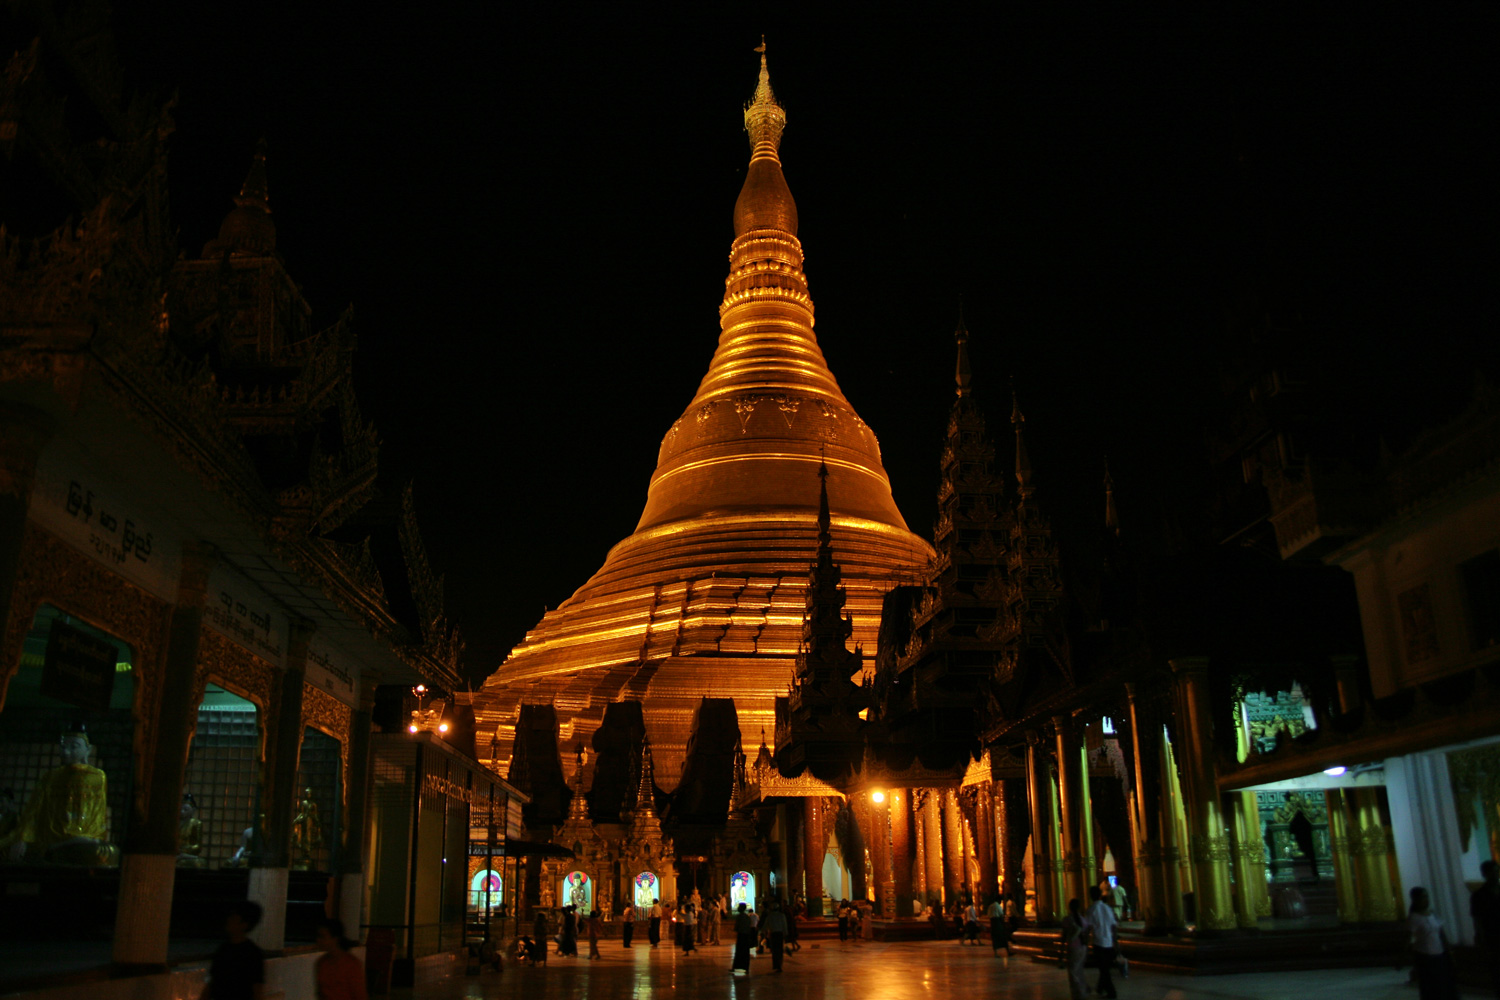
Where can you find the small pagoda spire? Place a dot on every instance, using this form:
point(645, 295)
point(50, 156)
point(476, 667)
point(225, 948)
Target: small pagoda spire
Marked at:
point(1023, 460)
point(962, 374)
point(248, 229)
point(825, 517)
point(1111, 515)
point(645, 793)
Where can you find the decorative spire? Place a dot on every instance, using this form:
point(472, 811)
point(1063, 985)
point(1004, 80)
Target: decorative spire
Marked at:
point(764, 118)
point(825, 517)
point(962, 375)
point(1023, 460)
point(1111, 516)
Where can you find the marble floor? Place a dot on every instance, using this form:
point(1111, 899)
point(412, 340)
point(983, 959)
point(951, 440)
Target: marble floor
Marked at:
point(878, 971)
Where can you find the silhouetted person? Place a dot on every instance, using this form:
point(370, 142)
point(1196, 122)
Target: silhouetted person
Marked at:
point(1075, 942)
point(238, 971)
point(1484, 907)
point(776, 934)
point(627, 926)
point(539, 930)
point(337, 974)
point(653, 930)
point(744, 940)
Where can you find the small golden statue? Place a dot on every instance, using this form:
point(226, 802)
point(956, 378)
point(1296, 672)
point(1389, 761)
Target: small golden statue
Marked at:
point(66, 821)
point(307, 833)
point(189, 834)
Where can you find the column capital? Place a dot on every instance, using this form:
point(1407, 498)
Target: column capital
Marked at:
point(198, 561)
point(299, 633)
point(1188, 665)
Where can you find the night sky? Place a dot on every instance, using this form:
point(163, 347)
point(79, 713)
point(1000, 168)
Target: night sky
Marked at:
point(531, 213)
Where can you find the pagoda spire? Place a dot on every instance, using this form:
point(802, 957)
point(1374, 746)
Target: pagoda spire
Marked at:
point(962, 373)
point(1023, 459)
point(764, 117)
point(1111, 515)
point(248, 229)
point(645, 793)
point(765, 201)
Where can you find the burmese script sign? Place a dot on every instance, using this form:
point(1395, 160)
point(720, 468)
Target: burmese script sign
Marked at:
point(83, 509)
point(331, 670)
point(243, 614)
point(78, 668)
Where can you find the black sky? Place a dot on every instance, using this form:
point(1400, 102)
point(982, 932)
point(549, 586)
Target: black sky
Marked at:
point(531, 213)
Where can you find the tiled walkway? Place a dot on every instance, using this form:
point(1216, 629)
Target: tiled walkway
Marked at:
point(900, 971)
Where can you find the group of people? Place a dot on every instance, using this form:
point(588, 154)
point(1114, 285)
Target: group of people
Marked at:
point(1092, 928)
point(854, 921)
point(774, 931)
point(238, 970)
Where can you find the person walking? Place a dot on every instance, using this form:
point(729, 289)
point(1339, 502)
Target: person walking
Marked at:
point(1430, 950)
point(238, 971)
point(715, 918)
point(776, 934)
point(999, 929)
point(971, 923)
point(1102, 922)
point(567, 942)
point(1484, 908)
point(744, 940)
point(593, 923)
point(337, 974)
point(1075, 942)
point(843, 915)
point(687, 917)
point(627, 926)
point(653, 929)
point(541, 932)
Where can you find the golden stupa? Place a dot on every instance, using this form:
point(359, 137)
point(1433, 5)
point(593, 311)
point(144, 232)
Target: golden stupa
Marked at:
point(706, 597)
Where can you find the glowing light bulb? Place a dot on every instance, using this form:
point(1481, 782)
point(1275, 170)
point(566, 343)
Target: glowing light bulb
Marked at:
point(877, 797)
point(442, 727)
point(411, 729)
point(1334, 772)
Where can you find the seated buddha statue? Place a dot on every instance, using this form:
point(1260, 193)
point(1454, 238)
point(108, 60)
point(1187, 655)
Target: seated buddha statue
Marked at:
point(189, 834)
point(66, 819)
point(307, 833)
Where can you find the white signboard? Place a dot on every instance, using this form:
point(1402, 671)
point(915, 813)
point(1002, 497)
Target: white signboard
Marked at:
point(87, 512)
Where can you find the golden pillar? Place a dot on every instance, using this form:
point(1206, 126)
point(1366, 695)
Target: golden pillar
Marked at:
point(1208, 839)
point(932, 842)
point(901, 850)
point(1043, 831)
point(984, 837)
point(1146, 817)
point(1077, 821)
point(1371, 846)
point(953, 848)
point(1345, 881)
point(1175, 876)
point(1249, 862)
point(815, 841)
point(878, 843)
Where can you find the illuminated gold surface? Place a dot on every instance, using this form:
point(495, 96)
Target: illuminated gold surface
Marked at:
point(706, 596)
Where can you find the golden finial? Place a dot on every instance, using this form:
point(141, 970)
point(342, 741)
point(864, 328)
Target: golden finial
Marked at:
point(764, 118)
